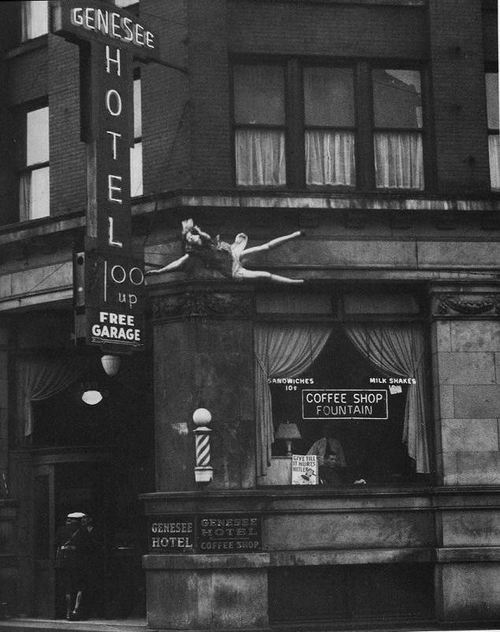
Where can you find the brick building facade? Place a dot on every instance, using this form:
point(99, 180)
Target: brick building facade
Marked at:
point(370, 127)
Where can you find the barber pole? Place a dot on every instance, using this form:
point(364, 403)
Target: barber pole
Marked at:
point(203, 471)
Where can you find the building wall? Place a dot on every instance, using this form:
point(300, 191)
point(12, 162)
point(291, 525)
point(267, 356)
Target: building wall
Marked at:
point(441, 244)
point(457, 74)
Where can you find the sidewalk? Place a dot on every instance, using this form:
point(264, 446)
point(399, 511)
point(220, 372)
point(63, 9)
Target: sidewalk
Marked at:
point(61, 625)
point(140, 625)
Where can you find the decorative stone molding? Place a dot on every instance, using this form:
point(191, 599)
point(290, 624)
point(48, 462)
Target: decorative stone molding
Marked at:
point(464, 305)
point(195, 304)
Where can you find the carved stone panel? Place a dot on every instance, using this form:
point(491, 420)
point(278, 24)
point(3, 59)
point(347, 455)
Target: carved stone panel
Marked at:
point(194, 303)
point(468, 305)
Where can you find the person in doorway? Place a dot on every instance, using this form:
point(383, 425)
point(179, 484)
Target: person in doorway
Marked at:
point(75, 548)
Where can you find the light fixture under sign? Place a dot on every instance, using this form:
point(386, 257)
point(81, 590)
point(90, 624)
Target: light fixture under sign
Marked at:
point(111, 364)
point(91, 396)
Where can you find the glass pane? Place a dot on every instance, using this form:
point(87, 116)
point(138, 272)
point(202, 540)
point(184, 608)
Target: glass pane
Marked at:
point(397, 98)
point(259, 95)
point(34, 19)
point(329, 96)
point(136, 185)
point(260, 157)
point(330, 158)
point(137, 109)
point(399, 161)
point(492, 97)
point(39, 194)
point(494, 148)
point(37, 136)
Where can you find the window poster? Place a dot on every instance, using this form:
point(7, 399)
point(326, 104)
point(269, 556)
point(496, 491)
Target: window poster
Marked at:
point(305, 469)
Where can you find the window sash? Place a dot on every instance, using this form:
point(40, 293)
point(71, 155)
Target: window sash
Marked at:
point(330, 158)
point(136, 171)
point(399, 160)
point(37, 136)
point(34, 19)
point(494, 155)
point(260, 157)
point(34, 193)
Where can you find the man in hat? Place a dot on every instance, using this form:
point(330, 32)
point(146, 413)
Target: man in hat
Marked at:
point(74, 550)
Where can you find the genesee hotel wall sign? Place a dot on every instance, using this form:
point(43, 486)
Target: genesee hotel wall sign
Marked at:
point(109, 281)
point(207, 533)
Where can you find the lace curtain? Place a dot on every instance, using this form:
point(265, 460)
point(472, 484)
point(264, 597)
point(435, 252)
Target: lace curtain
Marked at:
point(260, 157)
point(280, 351)
point(399, 160)
point(39, 378)
point(494, 149)
point(398, 350)
point(330, 158)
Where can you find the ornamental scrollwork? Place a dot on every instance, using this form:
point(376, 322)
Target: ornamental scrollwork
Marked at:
point(468, 306)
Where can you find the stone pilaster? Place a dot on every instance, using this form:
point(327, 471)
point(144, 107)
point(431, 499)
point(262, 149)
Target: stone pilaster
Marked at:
point(203, 350)
point(466, 371)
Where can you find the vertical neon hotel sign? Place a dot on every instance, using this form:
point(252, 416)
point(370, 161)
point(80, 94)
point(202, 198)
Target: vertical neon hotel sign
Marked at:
point(109, 281)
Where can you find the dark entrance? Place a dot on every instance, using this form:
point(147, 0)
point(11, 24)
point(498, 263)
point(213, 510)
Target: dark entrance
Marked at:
point(95, 459)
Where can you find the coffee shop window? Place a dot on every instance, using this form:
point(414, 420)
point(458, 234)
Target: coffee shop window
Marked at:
point(355, 394)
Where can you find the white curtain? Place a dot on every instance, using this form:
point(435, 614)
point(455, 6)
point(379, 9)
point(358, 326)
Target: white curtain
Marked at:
point(39, 378)
point(25, 196)
point(260, 157)
point(136, 178)
point(281, 350)
point(399, 160)
point(494, 148)
point(398, 350)
point(330, 158)
point(34, 194)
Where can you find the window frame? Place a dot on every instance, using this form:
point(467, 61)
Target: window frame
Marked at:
point(248, 126)
point(24, 24)
point(423, 130)
point(364, 125)
point(339, 316)
point(353, 128)
point(491, 131)
point(137, 140)
point(25, 169)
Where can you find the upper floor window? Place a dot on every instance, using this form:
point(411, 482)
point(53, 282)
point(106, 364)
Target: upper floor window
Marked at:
point(136, 181)
point(34, 188)
point(492, 97)
point(329, 126)
point(313, 125)
point(259, 114)
point(34, 19)
point(397, 118)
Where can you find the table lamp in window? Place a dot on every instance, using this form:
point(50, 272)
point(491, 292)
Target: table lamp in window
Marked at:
point(288, 431)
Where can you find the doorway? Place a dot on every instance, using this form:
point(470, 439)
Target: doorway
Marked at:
point(96, 459)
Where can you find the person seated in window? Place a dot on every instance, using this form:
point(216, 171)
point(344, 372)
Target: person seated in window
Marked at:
point(332, 464)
